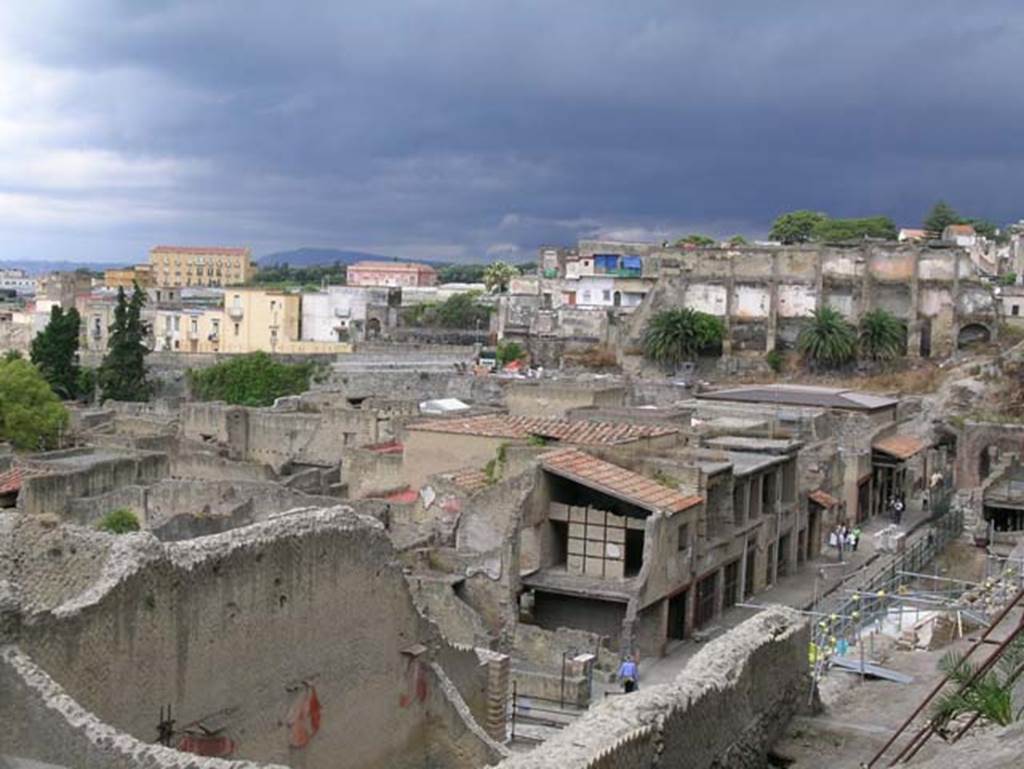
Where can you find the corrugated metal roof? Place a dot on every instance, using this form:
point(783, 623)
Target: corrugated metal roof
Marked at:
point(899, 446)
point(802, 395)
point(582, 432)
point(617, 481)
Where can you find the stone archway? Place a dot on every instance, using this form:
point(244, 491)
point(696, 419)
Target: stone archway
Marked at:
point(973, 334)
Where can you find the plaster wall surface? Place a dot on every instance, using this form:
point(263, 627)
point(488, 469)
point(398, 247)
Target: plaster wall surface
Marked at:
point(230, 630)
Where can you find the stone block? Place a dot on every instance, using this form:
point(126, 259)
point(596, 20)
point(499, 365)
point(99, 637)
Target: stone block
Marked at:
point(558, 512)
point(578, 514)
point(574, 564)
point(595, 549)
point(614, 569)
point(577, 546)
point(596, 532)
point(596, 516)
point(615, 535)
point(594, 567)
point(577, 531)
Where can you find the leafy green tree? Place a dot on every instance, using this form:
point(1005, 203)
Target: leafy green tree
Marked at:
point(461, 273)
point(676, 335)
point(120, 521)
point(940, 217)
point(463, 311)
point(984, 227)
point(284, 275)
point(796, 226)
point(828, 341)
point(255, 379)
point(855, 229)
point(989, 695)
point(498, 275)
point(509, 351)
point(55, 349)
point(737, 240)
point(31, 414)
point(122, 375)
point(13, 355)
point(883, 336)
point(696, 239)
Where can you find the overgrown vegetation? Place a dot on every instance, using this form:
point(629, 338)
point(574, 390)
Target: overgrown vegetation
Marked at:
point(696, 239)
point(120, 521)
point(775, 361)
point(255, 379)
point(122, 375)
point(31, 415)
point(942, 215)
point(677, 335)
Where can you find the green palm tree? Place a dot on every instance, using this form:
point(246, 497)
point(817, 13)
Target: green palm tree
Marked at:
point(882, 335)
point(990, 696)
point(828, 341)
point(673, 336)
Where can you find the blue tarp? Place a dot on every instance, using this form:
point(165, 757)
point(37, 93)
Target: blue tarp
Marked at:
point(631, 263)
point(606, 262)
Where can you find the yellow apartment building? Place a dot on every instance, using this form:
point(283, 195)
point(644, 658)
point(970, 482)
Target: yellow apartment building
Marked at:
point(201, 265)
point(257, 319)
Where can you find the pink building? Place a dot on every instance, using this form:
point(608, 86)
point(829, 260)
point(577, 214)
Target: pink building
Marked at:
point(391, 274)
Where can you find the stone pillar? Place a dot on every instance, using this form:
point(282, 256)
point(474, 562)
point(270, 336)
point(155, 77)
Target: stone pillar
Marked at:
point(914, 315)
point(498, 676)
point(771, 332)
point(730, 303)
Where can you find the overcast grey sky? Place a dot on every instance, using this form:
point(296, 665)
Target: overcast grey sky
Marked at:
point(478, 129)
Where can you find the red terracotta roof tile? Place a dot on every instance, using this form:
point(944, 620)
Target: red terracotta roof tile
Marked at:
point(823, 498)
point(11, 479)
point(470, 479)
point(899, 446)
point(616, 481)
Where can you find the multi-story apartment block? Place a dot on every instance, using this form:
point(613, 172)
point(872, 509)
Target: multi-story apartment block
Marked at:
point(390, 274)
point(256, 319)
point(201, 265)
point(19, 281)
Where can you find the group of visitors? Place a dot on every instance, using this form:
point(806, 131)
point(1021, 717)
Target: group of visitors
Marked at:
point(843, 538)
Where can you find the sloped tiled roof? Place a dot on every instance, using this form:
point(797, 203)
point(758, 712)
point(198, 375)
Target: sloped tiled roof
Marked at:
point(899, 446)
point(823, 498)
point(960, 229)
point(11, 480)
point(578, 431)
point(616, 481)
point(470, 479)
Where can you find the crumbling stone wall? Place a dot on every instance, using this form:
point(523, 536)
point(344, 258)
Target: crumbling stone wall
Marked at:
point(725, 709)
point(73, 473)
point(230, 629)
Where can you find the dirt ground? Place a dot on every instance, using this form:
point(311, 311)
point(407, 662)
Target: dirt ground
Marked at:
point(859, 716)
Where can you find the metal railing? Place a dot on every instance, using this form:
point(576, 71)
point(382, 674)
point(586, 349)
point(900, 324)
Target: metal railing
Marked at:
point(550, 713)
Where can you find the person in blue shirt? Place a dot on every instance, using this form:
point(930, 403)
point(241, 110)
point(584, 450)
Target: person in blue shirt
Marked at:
point(629, 674)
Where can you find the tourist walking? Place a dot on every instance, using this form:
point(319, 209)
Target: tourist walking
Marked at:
point(629, 674)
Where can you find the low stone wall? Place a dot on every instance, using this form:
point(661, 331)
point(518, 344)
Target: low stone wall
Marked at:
point(725, 709)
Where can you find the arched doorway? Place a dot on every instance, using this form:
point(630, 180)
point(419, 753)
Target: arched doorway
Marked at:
point(372, 328)
point(973, 334)
point(617, 299)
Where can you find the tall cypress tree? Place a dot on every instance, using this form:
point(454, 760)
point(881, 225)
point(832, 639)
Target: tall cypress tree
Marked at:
point(122, 375)
point(55, 349)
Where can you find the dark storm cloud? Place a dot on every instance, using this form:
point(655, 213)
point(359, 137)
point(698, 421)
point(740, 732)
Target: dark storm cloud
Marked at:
point(472, 128)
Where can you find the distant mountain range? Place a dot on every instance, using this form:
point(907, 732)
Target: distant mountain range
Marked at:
point(309, 257)
point(44, 266)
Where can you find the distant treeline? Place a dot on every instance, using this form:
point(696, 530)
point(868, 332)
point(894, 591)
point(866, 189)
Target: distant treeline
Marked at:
point(334, 274)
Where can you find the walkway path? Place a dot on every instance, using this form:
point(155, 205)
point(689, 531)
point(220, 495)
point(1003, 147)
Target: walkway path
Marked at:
point(815, 580)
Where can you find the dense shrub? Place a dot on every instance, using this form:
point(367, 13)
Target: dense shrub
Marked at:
point(255, 379)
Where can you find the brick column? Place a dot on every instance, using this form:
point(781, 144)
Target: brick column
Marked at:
point(498, 676)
